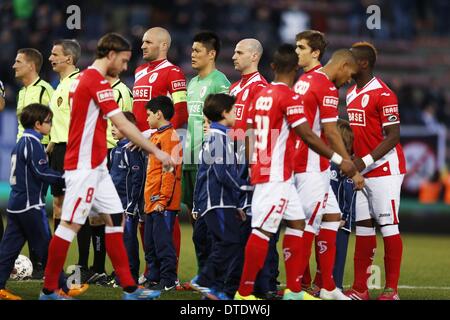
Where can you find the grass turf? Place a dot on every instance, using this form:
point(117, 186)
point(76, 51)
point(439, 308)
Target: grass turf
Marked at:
point(424, 273)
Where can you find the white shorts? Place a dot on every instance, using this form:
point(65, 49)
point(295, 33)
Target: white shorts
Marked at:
point(380, 200)
point(89, 192)
point(273, 202)
point(332, 205)
point(313, 188)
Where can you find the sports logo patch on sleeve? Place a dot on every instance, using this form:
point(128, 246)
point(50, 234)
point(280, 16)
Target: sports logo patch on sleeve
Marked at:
point(105, 95)
point(390, 110)
point(329, 101)
point(135, 168)
point(42, 161)
point(295, 110)
point(178, 85)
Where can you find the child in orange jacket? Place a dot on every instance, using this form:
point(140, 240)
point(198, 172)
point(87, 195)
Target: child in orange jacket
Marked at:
point(162, 196)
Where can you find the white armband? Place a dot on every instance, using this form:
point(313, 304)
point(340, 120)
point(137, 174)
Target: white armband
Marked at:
point(336, 158)
point(368, 160)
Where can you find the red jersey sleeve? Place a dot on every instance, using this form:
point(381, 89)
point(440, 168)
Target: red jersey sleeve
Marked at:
point(103, 95)
point(177, 89)
point(388, 108)
point(328, 100)
point(294, 110)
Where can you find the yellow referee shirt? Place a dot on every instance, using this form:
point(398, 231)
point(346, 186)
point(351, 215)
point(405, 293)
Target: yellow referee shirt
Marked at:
point(39, 91)
point(61, 109)
point(124, 98)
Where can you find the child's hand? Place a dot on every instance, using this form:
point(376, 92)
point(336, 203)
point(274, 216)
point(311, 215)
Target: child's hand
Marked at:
point(160, 208)
point(241, 214)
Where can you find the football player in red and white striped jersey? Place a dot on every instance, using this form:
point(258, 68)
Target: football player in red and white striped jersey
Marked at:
point(88, 183)
point(373, 113)
point(318, 89)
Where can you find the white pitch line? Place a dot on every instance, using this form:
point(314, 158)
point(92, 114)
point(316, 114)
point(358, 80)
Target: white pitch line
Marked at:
point(424, 288)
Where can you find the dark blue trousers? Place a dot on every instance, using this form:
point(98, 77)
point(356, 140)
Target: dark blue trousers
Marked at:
point(130, 238)
point(202, 240)
point(224, 226)
point(267, 278)
point(31, 226)
point(341, 256)
point(160, 251)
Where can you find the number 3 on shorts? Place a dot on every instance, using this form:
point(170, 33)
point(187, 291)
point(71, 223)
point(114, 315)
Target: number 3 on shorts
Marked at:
point(90, 193)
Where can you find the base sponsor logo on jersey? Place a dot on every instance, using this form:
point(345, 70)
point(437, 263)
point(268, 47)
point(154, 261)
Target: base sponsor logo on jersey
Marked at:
point(105, 95)
point(239, 108)
point(178, 85)
point(390, 110)
point(329, 101)
point(295, 110)
point(357, 117)
point(142, 93)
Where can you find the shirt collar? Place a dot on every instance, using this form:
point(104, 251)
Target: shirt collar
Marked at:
point(161, 129)
point(315, 68)
point(122, 142)
point(246, 77)
point(154, 63)
point(218, 126)
point(33, 133)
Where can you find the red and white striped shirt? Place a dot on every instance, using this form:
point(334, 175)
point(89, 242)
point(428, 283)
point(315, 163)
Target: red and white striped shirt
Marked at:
point(273, 113)
point(370, 109)
point(91, 102)
point(320, 98)
point(244, 90)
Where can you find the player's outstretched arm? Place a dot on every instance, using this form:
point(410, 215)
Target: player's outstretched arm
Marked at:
point(334, 139)
point(392, 138)
point(317, 145)
point(132, 132)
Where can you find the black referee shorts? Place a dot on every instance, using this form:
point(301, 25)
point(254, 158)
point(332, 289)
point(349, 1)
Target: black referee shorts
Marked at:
point(57, 163)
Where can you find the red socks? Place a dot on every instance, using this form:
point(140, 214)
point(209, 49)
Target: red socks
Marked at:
point(57, 252)
point(119, 258)
point(393, 250)
point(326, 252)
point(308, 238)
point(292, 251)
point(364, 253)
point(255, 256)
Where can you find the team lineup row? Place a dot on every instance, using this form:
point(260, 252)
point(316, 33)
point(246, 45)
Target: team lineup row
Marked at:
point(289, 172)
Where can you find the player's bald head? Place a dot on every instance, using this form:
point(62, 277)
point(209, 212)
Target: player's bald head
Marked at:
point(342, 56)
point(251, 45)
point(160, 35)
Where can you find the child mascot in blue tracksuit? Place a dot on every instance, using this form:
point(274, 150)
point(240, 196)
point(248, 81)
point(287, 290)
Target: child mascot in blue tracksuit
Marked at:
point(29, 179)
point(128, 174)
point(217, 195)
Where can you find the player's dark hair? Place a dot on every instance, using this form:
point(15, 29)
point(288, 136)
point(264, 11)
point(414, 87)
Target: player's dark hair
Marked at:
point(209, 40)
point(216, 104)
point(365, 51)
point(285, 59)
point(111, 42)
point(163, 104)
point(35, 112)
point(346, 133)
point(34, 56)
point(130, 116)
point(70, 47)
point(316, 40)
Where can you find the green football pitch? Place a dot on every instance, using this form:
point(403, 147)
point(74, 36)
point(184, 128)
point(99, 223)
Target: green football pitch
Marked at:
point(424, 273)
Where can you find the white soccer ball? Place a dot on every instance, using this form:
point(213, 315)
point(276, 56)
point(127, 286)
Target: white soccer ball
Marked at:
point(22, 268)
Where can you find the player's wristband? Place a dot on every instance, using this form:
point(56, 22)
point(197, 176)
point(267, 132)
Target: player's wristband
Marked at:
point(368, 160)
point(336, 158)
